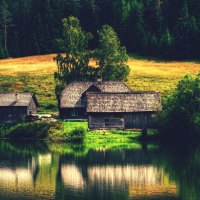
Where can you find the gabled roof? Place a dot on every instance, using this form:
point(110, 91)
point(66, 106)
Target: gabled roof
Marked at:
point(71, 95)
point(112, 86)
point(123, 102)
point(9, 99)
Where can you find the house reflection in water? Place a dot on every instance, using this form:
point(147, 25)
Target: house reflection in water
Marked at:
point(139, 181)
point(120, 174)
point(129, 174)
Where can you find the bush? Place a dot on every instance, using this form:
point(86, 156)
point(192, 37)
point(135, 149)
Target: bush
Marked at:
point(180, 117)
point(32, 130)
point(77, 134)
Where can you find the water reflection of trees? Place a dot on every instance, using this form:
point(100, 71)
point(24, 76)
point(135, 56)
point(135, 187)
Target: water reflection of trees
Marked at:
point(115, 174)
point(69, 172)
point(182, 162)
point(27, 169)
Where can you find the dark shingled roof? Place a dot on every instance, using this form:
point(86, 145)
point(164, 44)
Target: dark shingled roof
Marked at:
point(71, 95)
point(9, 99)
point(112, 86)
point(129, 102)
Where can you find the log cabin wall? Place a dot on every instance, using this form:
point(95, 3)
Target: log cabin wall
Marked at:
point(139, 120)
point(12, 114)
point(73, 113)
point(121, 120)
point(32, 109)
point(106, 121)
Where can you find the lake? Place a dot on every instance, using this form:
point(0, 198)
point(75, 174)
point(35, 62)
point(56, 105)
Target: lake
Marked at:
point(142, 171)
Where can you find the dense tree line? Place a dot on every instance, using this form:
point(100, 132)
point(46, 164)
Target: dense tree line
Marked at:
point(167, 28)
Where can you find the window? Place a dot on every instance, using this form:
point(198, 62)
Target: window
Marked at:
point(106, 122)
point(74, 113)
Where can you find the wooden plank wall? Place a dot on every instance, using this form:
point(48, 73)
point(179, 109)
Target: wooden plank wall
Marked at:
point(8, 115)
point(121, 121)
point(139, 120)
point(105, 121)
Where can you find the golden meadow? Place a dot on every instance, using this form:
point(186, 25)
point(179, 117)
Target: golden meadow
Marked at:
point(35, 74)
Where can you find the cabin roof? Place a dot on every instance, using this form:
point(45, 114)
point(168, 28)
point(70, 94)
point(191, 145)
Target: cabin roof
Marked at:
point(112, 86)
point(71, 95)
point(9, 99)
point(123, 102)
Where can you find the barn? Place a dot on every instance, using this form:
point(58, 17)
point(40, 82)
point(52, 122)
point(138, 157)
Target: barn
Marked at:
point(73, 100)
point(122, 110)
point(15, 106)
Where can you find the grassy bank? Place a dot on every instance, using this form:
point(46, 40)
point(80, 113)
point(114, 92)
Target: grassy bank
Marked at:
point(70, 132)
point(35, 74)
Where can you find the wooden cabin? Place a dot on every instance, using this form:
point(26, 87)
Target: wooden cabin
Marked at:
point(122, 110)
point(73, 99)
point(16, 106)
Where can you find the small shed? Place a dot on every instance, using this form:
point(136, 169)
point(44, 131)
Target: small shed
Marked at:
point(15, 106)
point(73, 100)
point(122, 110)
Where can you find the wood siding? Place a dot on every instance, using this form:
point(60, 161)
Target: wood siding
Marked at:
point(121, 120)
point(139, 120)
point(32, 109)
point(105, 121)
point(68, 113)
point(12, 114)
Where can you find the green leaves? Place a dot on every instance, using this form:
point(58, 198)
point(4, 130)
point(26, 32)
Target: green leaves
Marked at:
point(181, 110)
point(74, 65)
point(111, 56)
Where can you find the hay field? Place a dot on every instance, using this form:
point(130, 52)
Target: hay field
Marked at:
point(35, 74)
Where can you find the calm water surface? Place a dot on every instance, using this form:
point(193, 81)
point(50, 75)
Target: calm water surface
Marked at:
point(57, 171)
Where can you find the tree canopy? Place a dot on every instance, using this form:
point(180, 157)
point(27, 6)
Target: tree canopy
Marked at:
point(74, 64)
point(181, 110)
point(165, 28)
point(111, 57)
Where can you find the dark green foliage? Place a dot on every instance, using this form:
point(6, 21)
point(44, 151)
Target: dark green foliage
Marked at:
point(74, 66)
point(32, 130)
point(77, 134)
point(186, 32)
point(5, 20)
point(181, 110)
point(142, 25)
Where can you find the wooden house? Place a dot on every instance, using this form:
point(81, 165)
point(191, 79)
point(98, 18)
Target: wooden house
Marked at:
point(122, 110)
point(15, 106)
point(73, 101)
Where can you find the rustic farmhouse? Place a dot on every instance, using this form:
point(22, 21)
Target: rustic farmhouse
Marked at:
point(15, 106)
point(109, 105)
point(73, 100)
point(122, 110)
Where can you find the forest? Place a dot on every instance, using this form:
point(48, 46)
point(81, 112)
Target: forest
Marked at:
point(159, 28)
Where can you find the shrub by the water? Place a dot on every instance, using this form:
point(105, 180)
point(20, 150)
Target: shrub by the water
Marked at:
point(77, 134)
point(28, 130)
point(74, 135)
point(181, 111)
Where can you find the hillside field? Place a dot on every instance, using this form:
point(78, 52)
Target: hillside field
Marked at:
point(35, 74)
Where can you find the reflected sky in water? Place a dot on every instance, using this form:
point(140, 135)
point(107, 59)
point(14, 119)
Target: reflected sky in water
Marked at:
point(142, 172)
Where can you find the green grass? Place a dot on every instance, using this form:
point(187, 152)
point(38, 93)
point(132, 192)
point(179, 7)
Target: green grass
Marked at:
point(95, 138)
point(72, 125)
